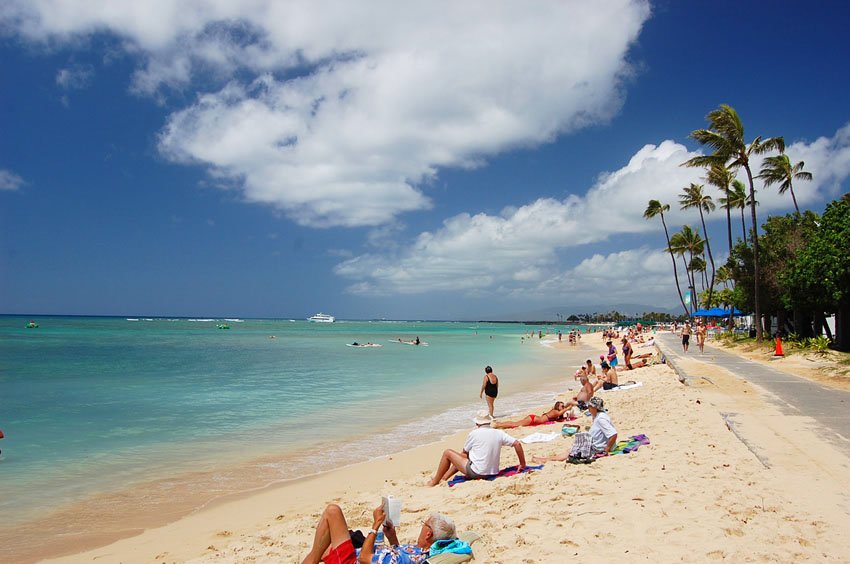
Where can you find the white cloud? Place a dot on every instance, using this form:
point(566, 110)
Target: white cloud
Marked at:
point(510, 252)
point(350, 111)
point(9, 180)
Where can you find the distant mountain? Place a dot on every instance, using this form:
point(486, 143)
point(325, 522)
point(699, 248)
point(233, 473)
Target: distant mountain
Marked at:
point(551, 313)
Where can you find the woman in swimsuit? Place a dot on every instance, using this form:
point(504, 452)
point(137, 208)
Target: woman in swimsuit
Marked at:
point(490, 388)
point(553, 414)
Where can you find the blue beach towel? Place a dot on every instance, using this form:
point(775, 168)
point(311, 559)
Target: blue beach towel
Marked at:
point(509, 471)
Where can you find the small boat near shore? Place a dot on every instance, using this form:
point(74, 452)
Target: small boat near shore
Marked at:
point(322, 318)
point(363, 345)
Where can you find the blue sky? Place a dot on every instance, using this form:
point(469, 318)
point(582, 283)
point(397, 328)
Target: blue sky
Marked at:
point(269, 159)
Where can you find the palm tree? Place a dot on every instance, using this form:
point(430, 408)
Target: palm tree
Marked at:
point(724, 276)
point(778, 169)
point(737, 199)
point(725, 135)
point(693, 197)
point(687, 241)
point(722, 177)
point(653, 209)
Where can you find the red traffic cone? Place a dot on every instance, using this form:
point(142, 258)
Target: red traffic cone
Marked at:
point(778, 351)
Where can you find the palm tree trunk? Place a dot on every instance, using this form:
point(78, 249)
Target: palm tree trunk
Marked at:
point(743, 226)
point(690, 284)
point(794, 199)
point(729, 220)
point(675, 270)
point(756, 268)
point(710, 257)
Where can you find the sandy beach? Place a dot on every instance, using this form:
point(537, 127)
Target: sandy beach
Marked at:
point(696, 493)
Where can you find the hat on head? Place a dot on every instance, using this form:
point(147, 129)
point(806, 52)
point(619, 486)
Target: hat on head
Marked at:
point(598, 403)
point(482, 418)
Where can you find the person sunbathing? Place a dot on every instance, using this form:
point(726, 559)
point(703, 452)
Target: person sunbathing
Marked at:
point(332, 542)
point(602, 434)
point(554, 414)
point(481, 453)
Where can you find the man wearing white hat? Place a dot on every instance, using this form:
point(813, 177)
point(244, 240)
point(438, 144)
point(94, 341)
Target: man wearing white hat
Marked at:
point(481, 453)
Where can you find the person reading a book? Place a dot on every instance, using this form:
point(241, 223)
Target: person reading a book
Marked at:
point(332, 543)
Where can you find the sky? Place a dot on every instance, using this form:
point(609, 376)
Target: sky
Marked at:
point(438, 160)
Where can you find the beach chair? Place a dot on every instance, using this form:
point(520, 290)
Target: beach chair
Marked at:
point(468, 537)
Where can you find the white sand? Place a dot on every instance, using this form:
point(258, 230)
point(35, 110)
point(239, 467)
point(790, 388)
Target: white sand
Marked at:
point(696, 493)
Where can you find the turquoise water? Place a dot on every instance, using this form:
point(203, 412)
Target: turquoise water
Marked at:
point(96, 406)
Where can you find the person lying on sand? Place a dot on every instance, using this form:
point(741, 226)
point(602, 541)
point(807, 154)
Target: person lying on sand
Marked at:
point(332, 543)
point(481, 453)
point(553, 414)
point(602, 434)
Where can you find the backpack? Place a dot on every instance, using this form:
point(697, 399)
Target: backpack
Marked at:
point(581, 452)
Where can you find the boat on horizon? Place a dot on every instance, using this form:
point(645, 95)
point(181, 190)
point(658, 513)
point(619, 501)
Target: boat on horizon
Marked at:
point(322, 318)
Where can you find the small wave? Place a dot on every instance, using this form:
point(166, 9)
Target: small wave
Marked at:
point(235, 320)
point(132, 319)
point(201, 320)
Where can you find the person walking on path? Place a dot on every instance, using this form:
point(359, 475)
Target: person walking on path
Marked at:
point(701, 333)
point(686, 336)
point(490, 389)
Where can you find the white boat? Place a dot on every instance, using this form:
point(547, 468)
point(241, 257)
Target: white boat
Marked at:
point(322, 318)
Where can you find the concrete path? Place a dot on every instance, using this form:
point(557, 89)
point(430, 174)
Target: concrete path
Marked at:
point(828, 406)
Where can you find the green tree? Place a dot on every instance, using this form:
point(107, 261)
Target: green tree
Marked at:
point(725, 136)
point(693, 197)
point(820, 271)
point(779, 170)
point(655, 208)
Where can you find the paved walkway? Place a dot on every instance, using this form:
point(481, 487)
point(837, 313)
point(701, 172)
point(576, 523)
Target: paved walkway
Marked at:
point(828, 406)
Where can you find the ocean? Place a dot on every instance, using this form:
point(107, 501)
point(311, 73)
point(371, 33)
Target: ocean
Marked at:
point(112, 422)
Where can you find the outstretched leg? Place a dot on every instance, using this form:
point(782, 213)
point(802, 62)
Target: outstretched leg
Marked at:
point(511, 424)
point(331, 531)
point(450, 463)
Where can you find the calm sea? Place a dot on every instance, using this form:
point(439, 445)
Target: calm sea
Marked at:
point(104, 415)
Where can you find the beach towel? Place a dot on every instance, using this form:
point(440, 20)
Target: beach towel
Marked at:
point(632, 444)
point(468, 537)
point(539, 438)
point(509, 471)
point(624, 387)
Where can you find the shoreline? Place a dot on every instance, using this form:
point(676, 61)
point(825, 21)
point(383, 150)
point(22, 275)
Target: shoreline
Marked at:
point(695, 493)
point(211, 488)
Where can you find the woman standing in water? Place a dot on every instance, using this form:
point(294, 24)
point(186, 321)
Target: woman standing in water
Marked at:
point(489, 388)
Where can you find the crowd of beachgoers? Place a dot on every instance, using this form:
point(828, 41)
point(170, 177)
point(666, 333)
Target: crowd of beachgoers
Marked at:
point(480, 457)
point(575, 479)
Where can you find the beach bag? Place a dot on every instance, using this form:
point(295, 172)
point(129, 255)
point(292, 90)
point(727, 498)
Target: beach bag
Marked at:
point(581, 452)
